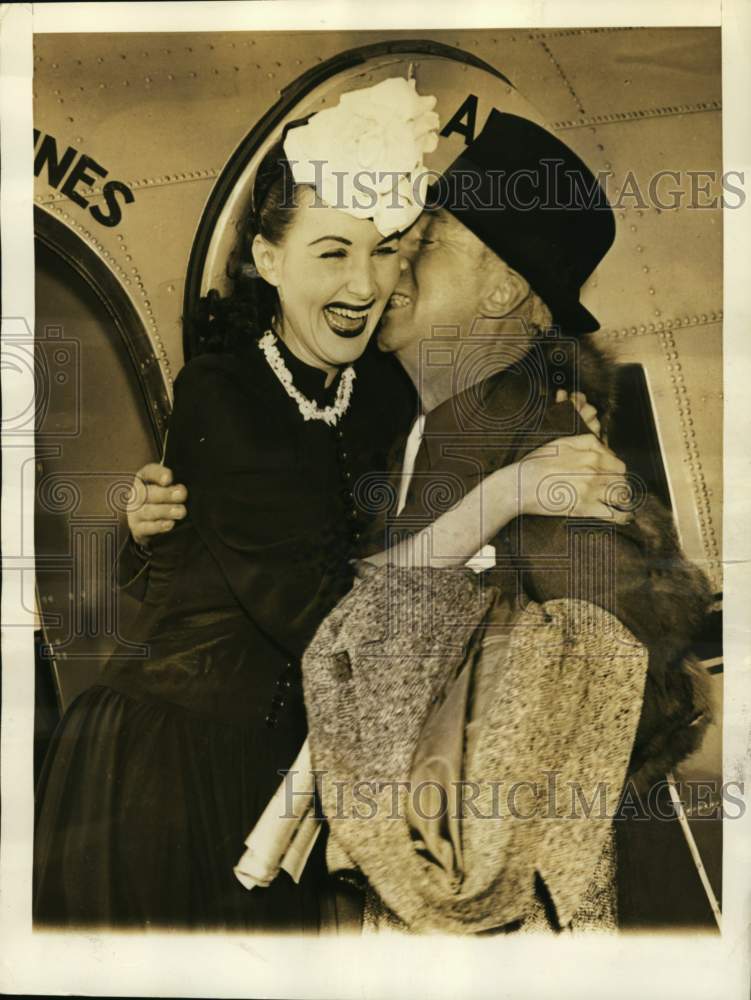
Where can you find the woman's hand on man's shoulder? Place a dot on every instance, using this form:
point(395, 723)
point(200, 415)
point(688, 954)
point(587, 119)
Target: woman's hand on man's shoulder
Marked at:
point(575, 476)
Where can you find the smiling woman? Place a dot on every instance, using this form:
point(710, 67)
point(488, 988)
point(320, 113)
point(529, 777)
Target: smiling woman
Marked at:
point(155, 776)
point(334, 279)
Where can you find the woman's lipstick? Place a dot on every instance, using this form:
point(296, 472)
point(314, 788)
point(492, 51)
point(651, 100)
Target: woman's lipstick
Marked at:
point(346, 320)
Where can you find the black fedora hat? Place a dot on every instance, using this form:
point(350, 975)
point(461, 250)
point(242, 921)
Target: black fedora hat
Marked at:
point(532, 201)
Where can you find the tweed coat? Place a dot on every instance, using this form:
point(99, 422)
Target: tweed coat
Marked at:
point(559, 688)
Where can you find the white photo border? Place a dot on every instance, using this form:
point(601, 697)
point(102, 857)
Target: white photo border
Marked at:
point(393, 966)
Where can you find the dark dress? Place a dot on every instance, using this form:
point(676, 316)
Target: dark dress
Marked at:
point(156, 775)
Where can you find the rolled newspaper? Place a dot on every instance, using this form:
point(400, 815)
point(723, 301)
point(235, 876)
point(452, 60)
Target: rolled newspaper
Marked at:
point(284, 836)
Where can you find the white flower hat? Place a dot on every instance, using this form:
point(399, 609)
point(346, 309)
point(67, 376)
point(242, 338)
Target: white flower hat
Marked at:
point(365, 156)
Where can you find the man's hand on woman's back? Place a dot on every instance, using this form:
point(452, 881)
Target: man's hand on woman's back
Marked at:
point(157, 503)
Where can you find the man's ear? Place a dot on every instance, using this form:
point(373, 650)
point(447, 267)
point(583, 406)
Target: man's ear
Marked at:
point(266, 260)
point(504, 291)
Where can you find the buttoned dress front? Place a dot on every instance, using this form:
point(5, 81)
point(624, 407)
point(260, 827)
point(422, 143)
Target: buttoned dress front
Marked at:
point(156, 775)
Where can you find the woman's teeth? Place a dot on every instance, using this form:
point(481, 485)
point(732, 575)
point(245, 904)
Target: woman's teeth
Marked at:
point(398, 301)
point(346, 322)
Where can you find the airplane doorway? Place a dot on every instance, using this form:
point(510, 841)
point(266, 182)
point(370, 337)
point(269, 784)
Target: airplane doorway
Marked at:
point(101, 411)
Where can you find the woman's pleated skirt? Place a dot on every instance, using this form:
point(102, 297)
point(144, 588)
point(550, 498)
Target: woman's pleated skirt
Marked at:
point(142, 810)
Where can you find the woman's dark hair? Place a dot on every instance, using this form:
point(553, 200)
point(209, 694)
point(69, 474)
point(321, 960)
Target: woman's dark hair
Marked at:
point(232, 323)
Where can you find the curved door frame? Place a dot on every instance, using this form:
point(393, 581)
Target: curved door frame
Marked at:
point(78, 255)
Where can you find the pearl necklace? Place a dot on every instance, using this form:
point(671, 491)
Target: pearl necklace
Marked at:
point(309, 409)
